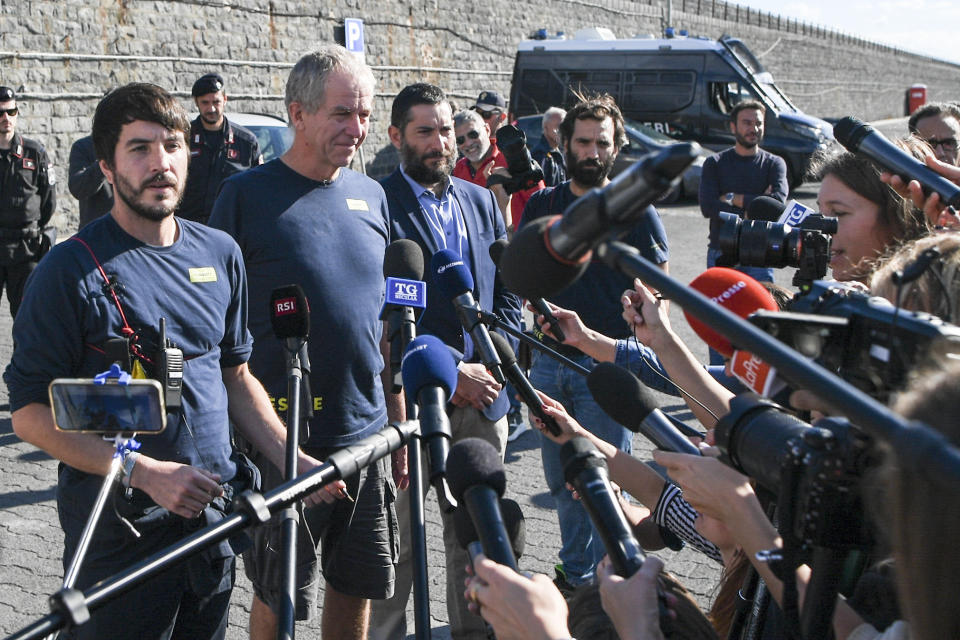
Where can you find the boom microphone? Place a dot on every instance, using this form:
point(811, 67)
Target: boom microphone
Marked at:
point(513, 520)
point(496, 252)
point(430, 376)
point(521, 383)
point(861, 138)
point(625, 399)
point(455, 281)
point(550, 253)
point(477, 480)
point(585, 468)
point(736, 292)
point(405, 289)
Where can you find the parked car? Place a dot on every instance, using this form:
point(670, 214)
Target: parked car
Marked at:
point(641, 140)
point(272, 132)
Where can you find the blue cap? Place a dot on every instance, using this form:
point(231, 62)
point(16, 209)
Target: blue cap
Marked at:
point(450, 274)
point(428, 362)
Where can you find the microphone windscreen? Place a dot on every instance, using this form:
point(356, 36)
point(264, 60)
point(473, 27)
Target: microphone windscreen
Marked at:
point(428, 362)
point(289, 312)
point(516, 525)
point(578, 454)
point(620, 394)
point(504, 350)
point(528, 269)
point(733, 290)
point(849, 131)
point(496, 250)
point(451, 275)
point(765, 208)
point(474, 461)
point(403, 259)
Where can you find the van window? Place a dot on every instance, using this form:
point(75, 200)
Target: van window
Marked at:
point(658, 91)
point(724, 96)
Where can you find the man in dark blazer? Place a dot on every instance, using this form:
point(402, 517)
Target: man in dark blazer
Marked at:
point(428, 205)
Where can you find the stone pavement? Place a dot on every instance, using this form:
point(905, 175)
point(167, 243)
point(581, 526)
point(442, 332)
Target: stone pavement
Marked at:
point(30, 538)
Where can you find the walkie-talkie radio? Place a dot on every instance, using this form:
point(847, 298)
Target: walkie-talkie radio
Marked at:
point(169, 369)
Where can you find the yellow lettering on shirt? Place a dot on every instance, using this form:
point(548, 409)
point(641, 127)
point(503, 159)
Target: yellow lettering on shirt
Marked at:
point(202, 274)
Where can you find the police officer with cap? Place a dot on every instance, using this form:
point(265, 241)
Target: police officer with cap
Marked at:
point(27, 201)
point(218, 149)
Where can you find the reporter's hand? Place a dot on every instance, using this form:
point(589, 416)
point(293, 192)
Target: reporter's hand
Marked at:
point(632, 602)
point(708, 484)
point(517, 607)
point(645, 314)
point(933, 208)
point(178, 488)
point(574, 331)
point(475, 387)
point(329, 493)
point(569, 427)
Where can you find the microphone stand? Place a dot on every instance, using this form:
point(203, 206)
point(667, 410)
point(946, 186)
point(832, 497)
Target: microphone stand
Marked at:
point(494, 321)
point(418, 533)
point(290, 516)
point(72, 607)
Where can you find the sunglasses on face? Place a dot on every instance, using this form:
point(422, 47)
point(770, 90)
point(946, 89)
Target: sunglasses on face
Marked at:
point(10, 112)
point(473, 135)
point(948, 143)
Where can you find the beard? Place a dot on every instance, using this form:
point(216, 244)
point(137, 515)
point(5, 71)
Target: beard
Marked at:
point(745, 143)
point(136, 199)
point(590, 172)
point(416, 167)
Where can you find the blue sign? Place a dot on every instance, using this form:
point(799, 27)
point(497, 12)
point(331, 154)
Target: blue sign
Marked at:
point(407, 293)
point(794, 213)
point(353, 35)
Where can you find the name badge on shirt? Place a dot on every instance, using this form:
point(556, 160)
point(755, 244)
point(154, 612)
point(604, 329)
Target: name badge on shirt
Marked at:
point(355, 204)
point(202, 274)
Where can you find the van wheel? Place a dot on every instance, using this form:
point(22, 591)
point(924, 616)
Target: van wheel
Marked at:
point(672, 196)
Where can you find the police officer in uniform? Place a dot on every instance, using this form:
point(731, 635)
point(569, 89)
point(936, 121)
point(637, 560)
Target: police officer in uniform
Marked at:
point(27, 201)
point(218, 149)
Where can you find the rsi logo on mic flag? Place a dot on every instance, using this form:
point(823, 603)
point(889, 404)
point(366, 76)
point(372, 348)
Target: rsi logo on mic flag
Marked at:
point(794, 213)
point(759, 376)
point(407, 293)
point(284, 306)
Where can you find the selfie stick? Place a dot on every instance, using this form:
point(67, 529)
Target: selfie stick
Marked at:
point(123, 442)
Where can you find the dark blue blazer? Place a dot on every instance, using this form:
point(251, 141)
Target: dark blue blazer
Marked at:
point(484, 226)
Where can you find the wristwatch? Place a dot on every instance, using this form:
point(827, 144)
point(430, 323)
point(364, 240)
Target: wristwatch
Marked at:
point(728, 198)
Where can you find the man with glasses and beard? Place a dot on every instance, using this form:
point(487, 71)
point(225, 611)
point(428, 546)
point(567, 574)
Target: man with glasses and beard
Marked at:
point(28, 199)
point(114, 283)
point(592, 134)
point(438, 211)
point(733, 178)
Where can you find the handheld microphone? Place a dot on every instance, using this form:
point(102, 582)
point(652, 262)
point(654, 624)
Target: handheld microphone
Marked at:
point(521, 383)
point(290, 314)
point(736, 292)
point(469, 539)
point(455, 281)
point(585, 468)
point(625, 399)
point(759, 376)
point(764, 208)
point(861, 138)
point(430, 376)
point(496, 252)
point(550, 253)
point(405, 289)
point(477, 480)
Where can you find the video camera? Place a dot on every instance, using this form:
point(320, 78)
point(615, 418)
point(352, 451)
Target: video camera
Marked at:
point(866, 340)
point(525, 173)
point(759, 243)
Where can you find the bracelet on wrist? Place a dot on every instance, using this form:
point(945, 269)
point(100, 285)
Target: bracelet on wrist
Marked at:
point(129, 460)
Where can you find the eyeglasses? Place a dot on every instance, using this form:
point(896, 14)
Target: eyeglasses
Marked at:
point(950, 144)
point(486, 115)
point(473, 135)
point(10, 112)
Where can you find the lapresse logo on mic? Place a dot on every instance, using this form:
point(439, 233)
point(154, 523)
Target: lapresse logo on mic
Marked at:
point(794, 213)
point(284, 306)
point(759, 376)
point(407, 293)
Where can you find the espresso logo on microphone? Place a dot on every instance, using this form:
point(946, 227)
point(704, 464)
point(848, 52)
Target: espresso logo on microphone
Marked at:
point(449, 265)
point(406, 293)
point(284, 306)
point(730, 292)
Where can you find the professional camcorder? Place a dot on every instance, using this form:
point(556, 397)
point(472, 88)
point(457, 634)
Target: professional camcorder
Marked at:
point(864, 339)
point(759, 243)
point(524, 171)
